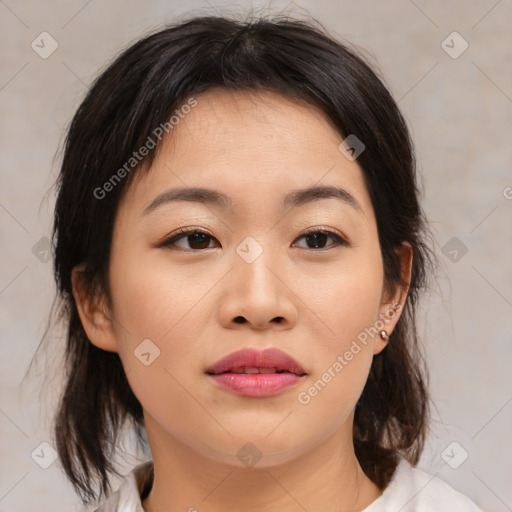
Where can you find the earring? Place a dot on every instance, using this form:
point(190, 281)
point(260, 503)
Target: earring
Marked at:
point(384, 335)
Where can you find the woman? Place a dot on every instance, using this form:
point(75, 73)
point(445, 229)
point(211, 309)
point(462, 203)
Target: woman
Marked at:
point(239, 250)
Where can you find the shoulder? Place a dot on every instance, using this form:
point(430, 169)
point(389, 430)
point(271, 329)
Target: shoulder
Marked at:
point(413, 490)
point(127, 498)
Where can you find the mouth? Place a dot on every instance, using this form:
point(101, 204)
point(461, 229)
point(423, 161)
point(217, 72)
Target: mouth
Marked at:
point(252, 361)
point(257, 374)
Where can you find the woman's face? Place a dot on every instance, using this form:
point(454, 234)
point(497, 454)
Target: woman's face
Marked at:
point(257, 279)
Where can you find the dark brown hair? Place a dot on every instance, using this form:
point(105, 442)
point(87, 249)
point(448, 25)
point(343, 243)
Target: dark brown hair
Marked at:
point(137, 93)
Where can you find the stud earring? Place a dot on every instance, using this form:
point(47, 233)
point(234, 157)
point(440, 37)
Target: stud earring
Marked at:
point(384, 335)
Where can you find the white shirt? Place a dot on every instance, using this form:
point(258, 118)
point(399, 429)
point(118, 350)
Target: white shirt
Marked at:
point(410, 490)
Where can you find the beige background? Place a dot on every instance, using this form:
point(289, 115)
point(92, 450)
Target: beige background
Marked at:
point(460, 114)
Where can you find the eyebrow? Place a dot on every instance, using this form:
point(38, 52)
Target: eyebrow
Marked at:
point(220, 200)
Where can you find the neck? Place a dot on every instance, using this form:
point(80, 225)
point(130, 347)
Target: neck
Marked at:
point(328, 477)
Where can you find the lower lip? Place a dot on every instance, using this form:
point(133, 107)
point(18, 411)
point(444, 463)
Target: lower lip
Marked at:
point(256, 384)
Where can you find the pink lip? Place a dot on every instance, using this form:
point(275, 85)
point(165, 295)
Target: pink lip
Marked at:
point(256, 384)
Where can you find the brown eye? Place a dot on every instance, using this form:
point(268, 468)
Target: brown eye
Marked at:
point(317, 239)
point(195, 239)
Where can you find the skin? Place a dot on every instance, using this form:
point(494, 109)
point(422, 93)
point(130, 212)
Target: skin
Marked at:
point(254, 147)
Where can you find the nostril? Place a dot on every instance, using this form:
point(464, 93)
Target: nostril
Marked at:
point(241, 319)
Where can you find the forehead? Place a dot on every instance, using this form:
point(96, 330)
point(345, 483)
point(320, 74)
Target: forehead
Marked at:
point(253, 122)
point(253, 146)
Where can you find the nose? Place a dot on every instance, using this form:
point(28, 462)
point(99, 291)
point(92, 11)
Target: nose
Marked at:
point(258, 294)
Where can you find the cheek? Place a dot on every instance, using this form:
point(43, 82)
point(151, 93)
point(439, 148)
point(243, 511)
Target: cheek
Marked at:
point(347, 303)
point(161, 303)
point(155, 299)
point(345, 300)
point(157, 327)
point(329, 396)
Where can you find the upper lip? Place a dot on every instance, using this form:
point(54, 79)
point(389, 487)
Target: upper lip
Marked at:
point(253, 358)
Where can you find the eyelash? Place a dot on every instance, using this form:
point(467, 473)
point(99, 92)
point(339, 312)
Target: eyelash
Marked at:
point(183, 232)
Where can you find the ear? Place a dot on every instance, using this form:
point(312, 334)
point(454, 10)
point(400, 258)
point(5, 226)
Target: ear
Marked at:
point(393, 302)
point(93, 313)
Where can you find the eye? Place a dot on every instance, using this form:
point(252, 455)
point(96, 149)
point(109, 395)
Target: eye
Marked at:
point(196, 239)
point(318, 238)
